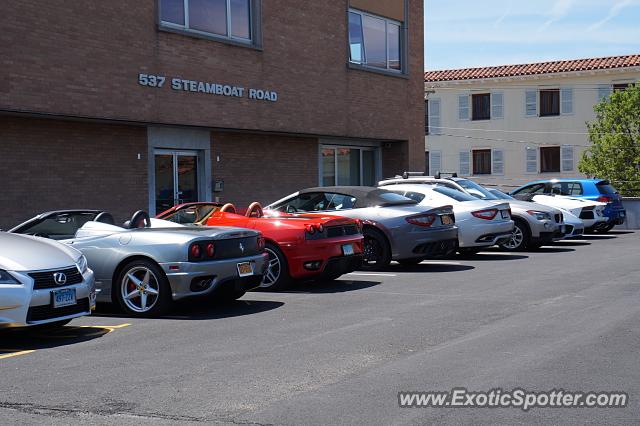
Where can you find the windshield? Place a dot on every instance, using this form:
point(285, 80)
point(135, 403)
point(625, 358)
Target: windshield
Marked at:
point(501, 195)
point(476, 190)
point(452, 193)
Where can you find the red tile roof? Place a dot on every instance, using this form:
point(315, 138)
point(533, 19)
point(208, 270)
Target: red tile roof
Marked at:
point(534, 69)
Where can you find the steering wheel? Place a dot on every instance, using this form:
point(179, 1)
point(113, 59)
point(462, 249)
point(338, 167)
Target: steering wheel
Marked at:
point(254, 210)
point(140, 219)
point(228, 208)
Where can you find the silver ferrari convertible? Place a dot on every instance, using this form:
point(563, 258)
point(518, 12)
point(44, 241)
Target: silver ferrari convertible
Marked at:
point(144, 268)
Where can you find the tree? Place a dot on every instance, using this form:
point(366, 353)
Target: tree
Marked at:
point(615, 137)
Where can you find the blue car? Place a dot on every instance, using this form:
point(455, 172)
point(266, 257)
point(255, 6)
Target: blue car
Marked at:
point(589, 189)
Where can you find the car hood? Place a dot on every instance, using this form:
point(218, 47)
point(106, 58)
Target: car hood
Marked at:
point(26, 253)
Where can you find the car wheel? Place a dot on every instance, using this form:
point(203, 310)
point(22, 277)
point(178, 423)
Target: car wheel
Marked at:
point(377, 253)
point(469, 251)
point(142, 289)
point(276, 277)
point(520, 238)
point(410, 262)
point(605, 229)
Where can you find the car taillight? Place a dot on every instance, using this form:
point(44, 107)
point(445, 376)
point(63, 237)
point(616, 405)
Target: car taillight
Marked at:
point(310, 229)
point(320, 228)
point(211, 250)
point(261, 243)
point(424, 220)
point(487, 214)
point(604, 199)
point(195, 251)
point(359, 225)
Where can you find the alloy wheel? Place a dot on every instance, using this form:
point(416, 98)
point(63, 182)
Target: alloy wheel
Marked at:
point(140, 289)
point(274, 270)
point(517, 237)
point(372, 252)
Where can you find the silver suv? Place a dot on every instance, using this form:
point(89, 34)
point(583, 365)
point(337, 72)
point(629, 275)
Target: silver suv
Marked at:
point(535, 224)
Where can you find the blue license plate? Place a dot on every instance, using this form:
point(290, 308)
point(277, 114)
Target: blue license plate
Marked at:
point(347, 249)
point(64, 297)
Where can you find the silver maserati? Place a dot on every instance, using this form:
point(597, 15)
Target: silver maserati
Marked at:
point(42, 282)
point(144, 268)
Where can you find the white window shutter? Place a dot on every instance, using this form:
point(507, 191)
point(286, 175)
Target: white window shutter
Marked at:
point(465, 163)
point(567, 158)
point(531, 160)
point(463, 107)
point(604, 91)
point(531, 103)
point(435, 162)
point(435, 128)
point(497, 105)
point(566, 100)
point(497, 157)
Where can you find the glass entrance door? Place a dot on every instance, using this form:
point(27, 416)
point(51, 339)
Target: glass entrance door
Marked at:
point(176, 177)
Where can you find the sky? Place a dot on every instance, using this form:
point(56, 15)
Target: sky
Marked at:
point(472, 33)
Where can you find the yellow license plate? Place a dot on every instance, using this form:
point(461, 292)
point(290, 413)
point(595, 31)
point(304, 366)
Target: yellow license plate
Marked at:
point(245, 269)
point(446, 220)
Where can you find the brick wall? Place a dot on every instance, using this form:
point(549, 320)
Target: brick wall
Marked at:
point(50, 165)
point(83, 59)
point(261, 167)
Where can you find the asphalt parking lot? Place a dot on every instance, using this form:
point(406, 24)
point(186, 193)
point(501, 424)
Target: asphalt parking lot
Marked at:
point(339, 352)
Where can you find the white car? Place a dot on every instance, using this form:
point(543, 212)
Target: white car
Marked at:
point(590, 212)
point(574, 226)
point(480, 223)
point(42, 282)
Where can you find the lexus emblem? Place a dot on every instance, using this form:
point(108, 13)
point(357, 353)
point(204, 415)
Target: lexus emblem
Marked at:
point(60, 278)
point(241, 248)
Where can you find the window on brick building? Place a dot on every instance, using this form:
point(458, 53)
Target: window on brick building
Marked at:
point(221, 19)
point(374, 41)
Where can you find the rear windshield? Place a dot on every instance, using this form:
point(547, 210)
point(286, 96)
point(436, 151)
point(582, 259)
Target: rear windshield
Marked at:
point(606, 188)
point(415, 196)
point(501, 194)
point(474, 189)
point(391, 198)
point(455, 194)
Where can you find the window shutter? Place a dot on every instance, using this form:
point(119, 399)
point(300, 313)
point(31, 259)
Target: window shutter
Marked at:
point(497, 157)
point(603, 92)
point(497, 105)
point(463, 107)
point(567, 158)
point(434, 117)
point(531, 103)
point(532, 160)
point(566, 100)
point(465, 163)
point(435, 162)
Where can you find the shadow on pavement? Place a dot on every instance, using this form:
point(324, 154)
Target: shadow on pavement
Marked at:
point(340, 285)
point(548, 249)
point(492, 256)
point(444, 266)
point(16, 340)
point(612, 232)
point(596, 237)
point(203, 309)
point(569, 243)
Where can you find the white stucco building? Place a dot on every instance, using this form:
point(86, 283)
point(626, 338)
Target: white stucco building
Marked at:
point(512, 124)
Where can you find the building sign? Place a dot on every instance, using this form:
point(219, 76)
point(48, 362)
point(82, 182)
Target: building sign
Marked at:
point(179, 84)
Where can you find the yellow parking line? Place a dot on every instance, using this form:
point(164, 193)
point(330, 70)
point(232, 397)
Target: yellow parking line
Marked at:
point(16, 354)
point(108, 327)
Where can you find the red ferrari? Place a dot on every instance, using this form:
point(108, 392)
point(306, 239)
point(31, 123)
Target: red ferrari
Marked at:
point(299, 247)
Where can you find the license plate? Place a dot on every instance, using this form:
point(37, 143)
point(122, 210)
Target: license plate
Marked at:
point(245, 269)
point(621, 214)
point(347, 249)
point(505, 214)
point(446, 220)
point(64, 297)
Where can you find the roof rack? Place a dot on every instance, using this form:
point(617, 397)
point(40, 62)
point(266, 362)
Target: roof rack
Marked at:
point(407, 175)
point(452, 174)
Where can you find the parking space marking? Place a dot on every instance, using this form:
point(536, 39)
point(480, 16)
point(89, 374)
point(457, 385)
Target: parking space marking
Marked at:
point(372, 274)
point(10, 355)
point(438, 262)
point(62, 335)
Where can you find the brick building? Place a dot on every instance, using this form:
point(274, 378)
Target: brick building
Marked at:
point(125, 105)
